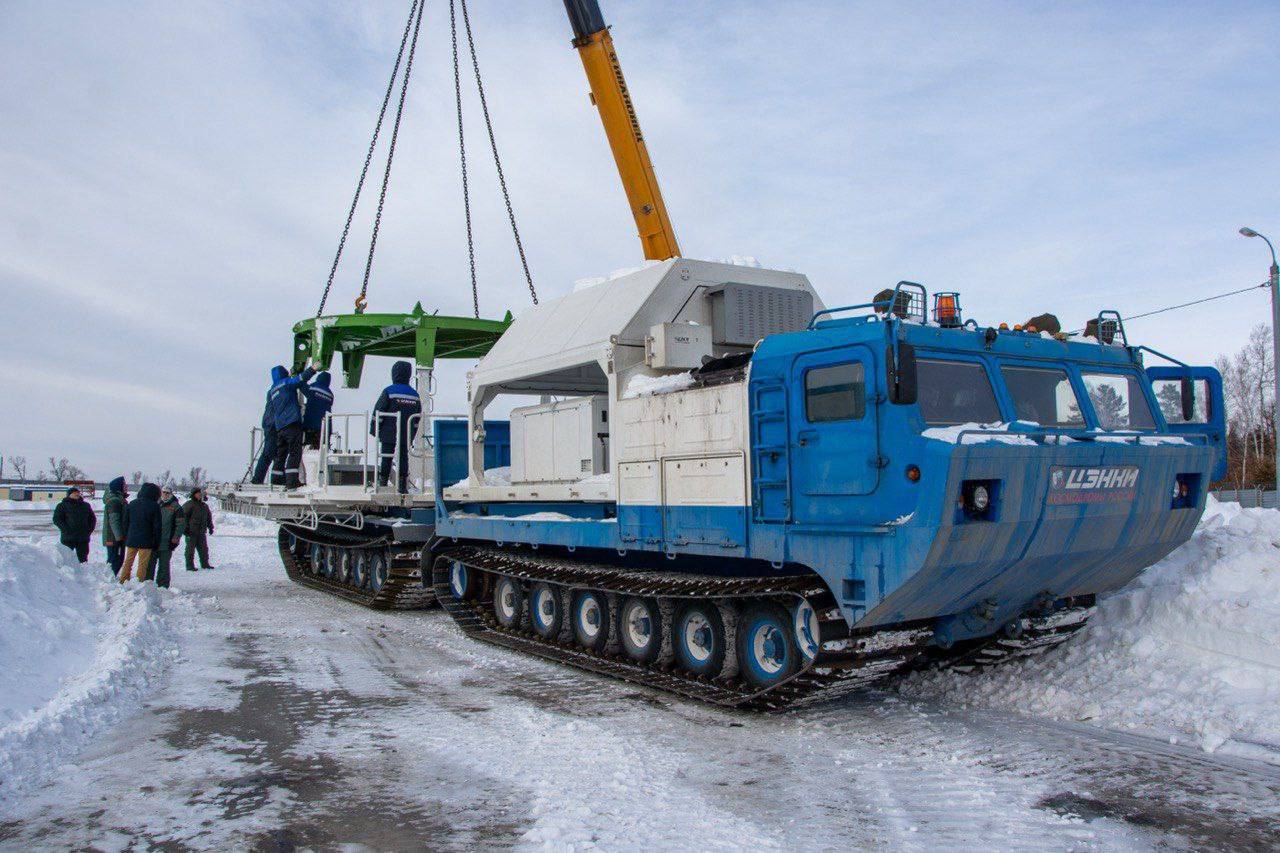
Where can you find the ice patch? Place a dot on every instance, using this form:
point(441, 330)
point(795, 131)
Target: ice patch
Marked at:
point(998, 433)
point(1189, 649)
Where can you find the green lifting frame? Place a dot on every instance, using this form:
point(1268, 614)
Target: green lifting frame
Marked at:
point(417, 336)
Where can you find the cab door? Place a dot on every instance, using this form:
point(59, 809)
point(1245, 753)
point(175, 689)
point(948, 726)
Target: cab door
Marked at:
point(835, 452)
point(1191, 400)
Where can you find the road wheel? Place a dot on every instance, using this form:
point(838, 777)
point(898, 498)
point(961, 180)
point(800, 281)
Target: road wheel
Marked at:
point(359, 568)
point(591, 620)
point(699, 639)
point(640, 628)
point(462, 581)
point(547, 611)
point(767, 653)
point(315, 565)
point(508, 602)
point(378, 570)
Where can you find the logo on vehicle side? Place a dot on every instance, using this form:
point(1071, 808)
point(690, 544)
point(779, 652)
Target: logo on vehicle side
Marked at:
point(1092, 484)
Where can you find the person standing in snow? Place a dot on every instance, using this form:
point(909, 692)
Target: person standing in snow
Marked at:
point(319, 402)
point(267, 454)
point(286, 414)
point(114, 522)
point(198, 524)
point(398, 397)
point(142, 532)
point(172, 524)
point(76, 521)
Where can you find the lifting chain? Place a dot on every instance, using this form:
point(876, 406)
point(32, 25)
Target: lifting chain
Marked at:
point(391, 153)
point(462, 156)
point(368, 158)
point(493, 144)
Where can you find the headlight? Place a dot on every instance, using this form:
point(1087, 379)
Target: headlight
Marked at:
point(979, 499)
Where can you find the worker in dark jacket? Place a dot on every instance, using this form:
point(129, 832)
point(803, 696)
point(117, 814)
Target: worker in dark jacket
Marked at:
point(198, 518)
point(114, 521)
point(267, 454)
point(397, 398)
point(142, 532)
point(286, 415)
point(319, 402)
point(172, 525)
point(76, 521)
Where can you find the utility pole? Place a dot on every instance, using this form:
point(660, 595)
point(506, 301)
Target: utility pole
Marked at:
point(1275, 349)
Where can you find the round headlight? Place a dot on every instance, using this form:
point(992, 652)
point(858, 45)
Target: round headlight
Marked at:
point(980, 499)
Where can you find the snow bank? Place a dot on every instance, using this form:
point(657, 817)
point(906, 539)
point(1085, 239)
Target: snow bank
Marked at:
point(1189, 649)
point(998, 433)
point(643, 385)
point(77, 650)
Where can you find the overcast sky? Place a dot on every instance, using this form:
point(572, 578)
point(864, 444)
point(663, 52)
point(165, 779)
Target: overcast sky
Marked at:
point(174, 176)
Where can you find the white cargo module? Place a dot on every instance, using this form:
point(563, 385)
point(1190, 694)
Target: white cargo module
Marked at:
point(560, 442)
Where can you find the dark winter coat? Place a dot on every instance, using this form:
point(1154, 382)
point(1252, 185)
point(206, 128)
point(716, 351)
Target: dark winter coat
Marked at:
point(75, 520)
point(115, 516)
point(198, 518)
point(319, 402)
point(172, 523)
point(283, 399)
point(400, 397)
point(143, 530)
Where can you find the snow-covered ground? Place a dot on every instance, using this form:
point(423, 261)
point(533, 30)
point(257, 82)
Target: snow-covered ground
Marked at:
point(1190, 650)
point(290, 719)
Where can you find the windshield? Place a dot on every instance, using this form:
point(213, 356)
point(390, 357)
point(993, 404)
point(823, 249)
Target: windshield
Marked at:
point(1118, 401)
point(1043, 396)
point(956, 392)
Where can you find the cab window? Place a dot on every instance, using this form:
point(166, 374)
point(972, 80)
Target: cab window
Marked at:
point(835, 393)
point(1118, 401)
point(1169, 399)
point(955, 392)
point(1043, 396)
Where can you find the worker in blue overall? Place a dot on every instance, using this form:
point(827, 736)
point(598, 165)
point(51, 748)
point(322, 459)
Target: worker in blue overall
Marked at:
point(267, 453)
point(318, 403)
point(286, 415)
point(398, 397)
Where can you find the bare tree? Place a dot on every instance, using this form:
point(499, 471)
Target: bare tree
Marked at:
point(1247, 380)
point(197, 477)
point(136, 477)
point(19, 466)
point(62, 470)
point(165, 479)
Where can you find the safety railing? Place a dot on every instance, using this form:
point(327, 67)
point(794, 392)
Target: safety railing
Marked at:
point(333, 443)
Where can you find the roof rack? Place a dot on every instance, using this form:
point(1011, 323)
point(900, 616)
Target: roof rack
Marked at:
point(907, 303)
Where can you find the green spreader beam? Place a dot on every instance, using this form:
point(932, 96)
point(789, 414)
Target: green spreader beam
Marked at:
point(417, 336)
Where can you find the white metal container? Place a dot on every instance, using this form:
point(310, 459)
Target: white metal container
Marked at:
point(677, 345)
point(560, 442)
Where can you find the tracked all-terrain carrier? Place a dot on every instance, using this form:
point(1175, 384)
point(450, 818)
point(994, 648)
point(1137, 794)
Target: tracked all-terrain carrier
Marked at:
point(728, 491)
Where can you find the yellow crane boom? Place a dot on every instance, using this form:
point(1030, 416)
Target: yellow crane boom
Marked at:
point(622, 127)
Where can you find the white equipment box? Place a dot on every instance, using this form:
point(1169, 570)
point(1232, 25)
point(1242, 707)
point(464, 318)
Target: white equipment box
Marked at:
point(560, 442)
point(677, 345)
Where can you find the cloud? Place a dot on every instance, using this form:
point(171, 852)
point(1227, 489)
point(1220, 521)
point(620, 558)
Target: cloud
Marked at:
point(173, 178)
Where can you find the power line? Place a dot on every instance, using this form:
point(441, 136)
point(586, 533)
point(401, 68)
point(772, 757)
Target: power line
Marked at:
point(1189, 304)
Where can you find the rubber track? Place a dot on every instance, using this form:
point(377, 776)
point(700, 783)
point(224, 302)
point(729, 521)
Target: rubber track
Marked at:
point(843, 664)
point(1039, 634)
point(403, 589)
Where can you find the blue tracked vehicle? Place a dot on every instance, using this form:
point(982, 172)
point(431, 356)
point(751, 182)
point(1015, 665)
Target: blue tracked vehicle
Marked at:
point(730, 492)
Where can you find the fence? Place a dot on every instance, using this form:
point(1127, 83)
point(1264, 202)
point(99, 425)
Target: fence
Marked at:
point(1248, 497)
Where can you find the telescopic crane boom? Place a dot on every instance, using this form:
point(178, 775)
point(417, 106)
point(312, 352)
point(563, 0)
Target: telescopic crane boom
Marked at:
point(622, 127)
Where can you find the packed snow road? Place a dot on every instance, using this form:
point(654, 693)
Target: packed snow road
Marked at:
point(291, 719)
